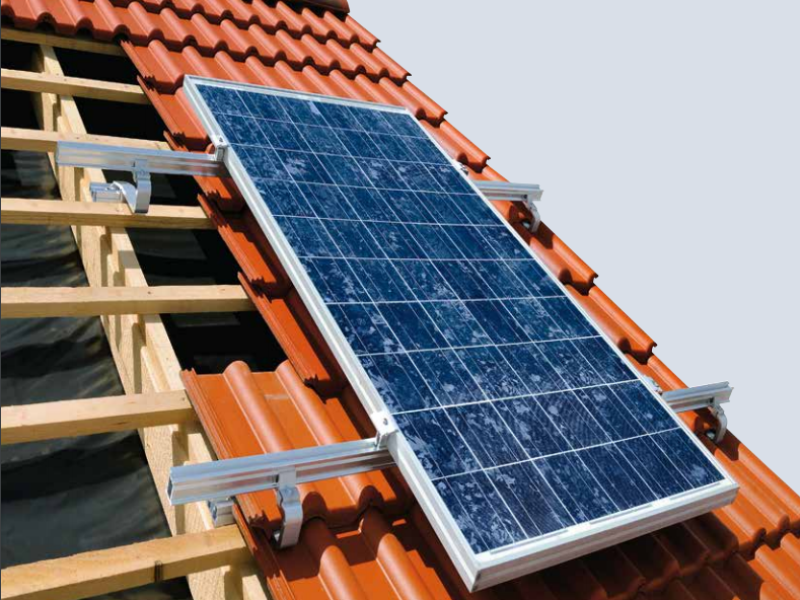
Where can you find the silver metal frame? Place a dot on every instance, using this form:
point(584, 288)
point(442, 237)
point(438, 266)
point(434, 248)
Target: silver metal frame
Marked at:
point(141, 162)
point(488, 568)
point(710, 396)
point(529, 193)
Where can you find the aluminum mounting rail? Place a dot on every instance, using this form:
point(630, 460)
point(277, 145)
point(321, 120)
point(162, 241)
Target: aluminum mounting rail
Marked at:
point(220, 481)
point(141, 162)
point(529, 193)
point(710, 396)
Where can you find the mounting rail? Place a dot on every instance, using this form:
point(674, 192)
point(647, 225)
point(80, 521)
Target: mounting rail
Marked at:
point(218, 483)
point(142, 163)
point(529, 193)
point(710, 396)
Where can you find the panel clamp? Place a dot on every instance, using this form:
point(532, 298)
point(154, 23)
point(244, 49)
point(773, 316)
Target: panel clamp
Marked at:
point(528, 193)
point(142, 163)
point(711, 396)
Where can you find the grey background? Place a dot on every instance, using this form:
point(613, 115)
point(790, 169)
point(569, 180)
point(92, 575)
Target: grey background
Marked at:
point(667, 139)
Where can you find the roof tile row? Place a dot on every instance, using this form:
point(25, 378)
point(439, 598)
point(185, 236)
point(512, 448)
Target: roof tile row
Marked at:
point(390, 548)
point(271, 45)
point(383, 544)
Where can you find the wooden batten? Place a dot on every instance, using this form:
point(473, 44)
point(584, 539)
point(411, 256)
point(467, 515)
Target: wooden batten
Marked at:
point(107, 571)
point(72, 418)
point(27, 81)
point(23, 211)
point(35, 140)
point(9, 34)
point(31, 303)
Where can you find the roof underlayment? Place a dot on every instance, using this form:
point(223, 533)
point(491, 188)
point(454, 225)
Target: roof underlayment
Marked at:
point(364, 536)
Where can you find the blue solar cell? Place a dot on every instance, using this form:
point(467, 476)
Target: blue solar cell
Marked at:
point(399, 382)
point(286, 198)
point(482, 516)
point(530, 499)
point(531, 425)
point(571, 419)
point(484, 431)
point(492, 372)
point(457, 323)
point(526, 419)
point(435, 439)
point(281, 136)
point(617, 477)
point(304, 167)
point(574, 484)
point(366, 329)
point(497, 322)
point(353, 239)
point(425, 279)
point(412, 325)
point(328, 202)
point(335, 280)
point(447, 377)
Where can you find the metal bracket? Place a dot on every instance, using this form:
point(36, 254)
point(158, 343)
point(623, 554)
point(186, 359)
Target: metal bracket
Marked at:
point(222, 512)
point(529, 193)
point(710, 396)
point(289, 501)
point(220, 148)
point(142, 163)
point(385, 427)
point(219, 481)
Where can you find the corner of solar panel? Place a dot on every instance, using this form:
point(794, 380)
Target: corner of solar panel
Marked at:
point(525, 435)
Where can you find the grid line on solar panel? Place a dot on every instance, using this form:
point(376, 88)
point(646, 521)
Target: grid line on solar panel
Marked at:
point(503, 389)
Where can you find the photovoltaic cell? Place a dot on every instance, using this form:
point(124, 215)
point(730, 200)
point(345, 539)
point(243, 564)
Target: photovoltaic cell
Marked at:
point(523, 416)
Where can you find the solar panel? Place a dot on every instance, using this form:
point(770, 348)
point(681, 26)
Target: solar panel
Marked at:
point(525, 435)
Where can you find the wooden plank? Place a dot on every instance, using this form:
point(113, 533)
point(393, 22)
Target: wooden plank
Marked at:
point(72, 418)
point(32, 303)
point(28, 81)
point(107, 571)
point(143, 353)
point(35, 140)
point(22, 211)
point(9, 34)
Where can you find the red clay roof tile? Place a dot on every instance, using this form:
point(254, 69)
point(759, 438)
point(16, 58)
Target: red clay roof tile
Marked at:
point(389, 548)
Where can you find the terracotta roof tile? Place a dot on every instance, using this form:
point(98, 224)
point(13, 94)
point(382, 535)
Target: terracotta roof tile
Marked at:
point(383, 546)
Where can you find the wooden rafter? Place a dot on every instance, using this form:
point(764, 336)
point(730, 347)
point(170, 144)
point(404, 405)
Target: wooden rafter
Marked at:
point(107, 571)
point(22, 211)
point(27, 81)
point(72, 418)
point(31, 303)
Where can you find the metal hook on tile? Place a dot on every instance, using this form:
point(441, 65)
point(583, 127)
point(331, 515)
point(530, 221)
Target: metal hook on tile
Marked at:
point(289, 501)
point(711, 396)
point(528, 193)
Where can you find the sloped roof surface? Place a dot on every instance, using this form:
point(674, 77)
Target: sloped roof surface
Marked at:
point(365, 537)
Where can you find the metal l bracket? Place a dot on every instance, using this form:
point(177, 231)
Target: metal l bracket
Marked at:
point(710, 396)
point(529, 193)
